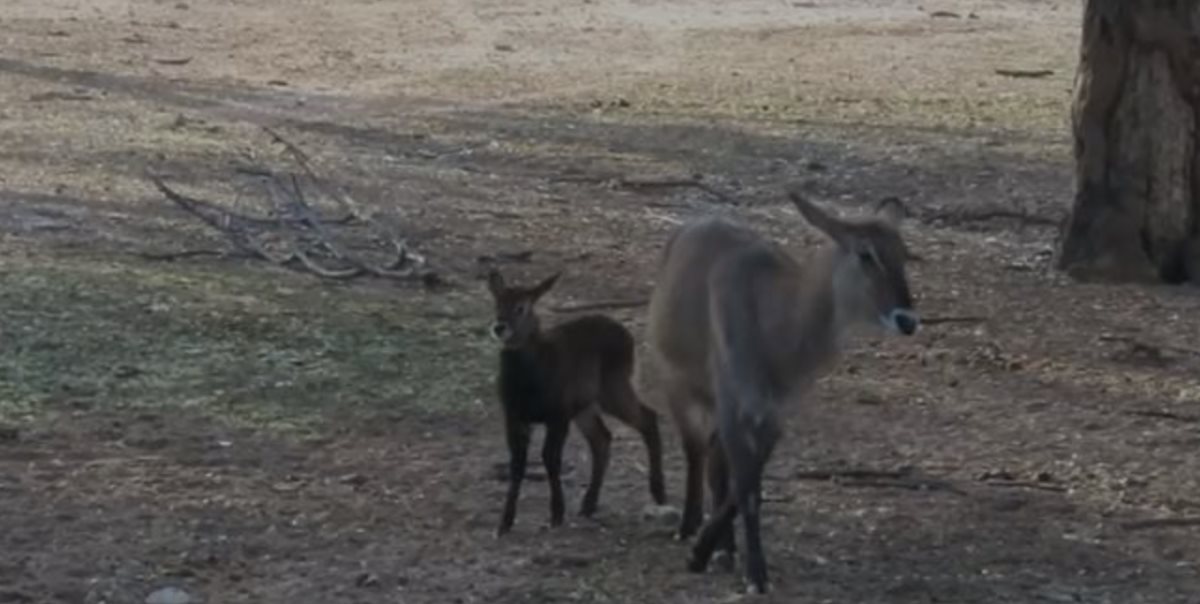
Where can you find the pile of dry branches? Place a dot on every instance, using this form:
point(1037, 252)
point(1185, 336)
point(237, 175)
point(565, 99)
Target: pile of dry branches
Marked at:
point(295, 235)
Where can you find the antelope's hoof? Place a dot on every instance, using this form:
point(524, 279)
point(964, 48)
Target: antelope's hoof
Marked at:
point(754, 589)
point(725, 560)
point(587, 509)
point(661, 514)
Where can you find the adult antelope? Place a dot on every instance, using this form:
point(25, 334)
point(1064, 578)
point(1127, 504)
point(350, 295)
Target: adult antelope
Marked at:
point(740, 329)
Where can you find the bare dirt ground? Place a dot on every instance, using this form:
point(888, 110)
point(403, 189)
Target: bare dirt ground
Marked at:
point(250, 434)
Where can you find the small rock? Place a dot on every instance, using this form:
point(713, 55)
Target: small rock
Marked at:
point(560, 560)
point(124, 372)
point(505, 47)
point(354, 479)
point(1010, 504)
point(9, 434)
point(870, 399)
point(996, 475)
point(662, 514)
point(148, 440)
point(366, 580)
point(1058, 594)
point(169, 595)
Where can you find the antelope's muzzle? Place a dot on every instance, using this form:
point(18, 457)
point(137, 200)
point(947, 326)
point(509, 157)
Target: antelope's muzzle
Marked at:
point(500, 331)
point(904, 320)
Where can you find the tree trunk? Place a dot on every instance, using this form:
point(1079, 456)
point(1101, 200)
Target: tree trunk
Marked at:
point(1136, 118)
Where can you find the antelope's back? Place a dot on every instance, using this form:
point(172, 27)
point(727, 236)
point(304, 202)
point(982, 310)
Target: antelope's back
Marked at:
point(678, 324)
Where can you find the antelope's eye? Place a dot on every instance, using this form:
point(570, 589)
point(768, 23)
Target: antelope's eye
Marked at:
point(866, 257)
point(521, 308)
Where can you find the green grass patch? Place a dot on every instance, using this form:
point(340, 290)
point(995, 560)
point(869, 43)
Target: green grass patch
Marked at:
point(246, 344)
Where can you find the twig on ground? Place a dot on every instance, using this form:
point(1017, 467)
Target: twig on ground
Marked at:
point(1138, 345)
point(403, 255)
point(310, 244)
point(854, 473)
point(599, 305)
point(1026, 484)
point(911, 483)
point(902, 478)
point(1024, 73)
point(520, 257)
point(628, 182)
point(942, 320)
point(173, 256)
point(986, 215)
point(1181, 521)
point(1179, 417)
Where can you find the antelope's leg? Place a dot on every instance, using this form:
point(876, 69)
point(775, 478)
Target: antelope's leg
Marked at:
point(552, 451)
point(598, 439)
point(625, 405)
point(517, 434)
point(718, 485)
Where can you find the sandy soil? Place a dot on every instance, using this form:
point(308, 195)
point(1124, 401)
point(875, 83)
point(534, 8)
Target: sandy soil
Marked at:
point(250, 434)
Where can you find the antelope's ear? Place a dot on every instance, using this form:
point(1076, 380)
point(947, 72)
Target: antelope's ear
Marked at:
point(541, 288)
point(891, 210)
point(495, 281)
point(819, 218)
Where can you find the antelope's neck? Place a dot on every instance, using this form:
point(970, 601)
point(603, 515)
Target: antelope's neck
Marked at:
point(821, 321)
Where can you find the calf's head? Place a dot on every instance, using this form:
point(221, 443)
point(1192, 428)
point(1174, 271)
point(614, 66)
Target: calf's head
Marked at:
point(515, 322)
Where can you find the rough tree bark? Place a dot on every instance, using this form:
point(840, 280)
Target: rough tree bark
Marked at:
point(1136, 118)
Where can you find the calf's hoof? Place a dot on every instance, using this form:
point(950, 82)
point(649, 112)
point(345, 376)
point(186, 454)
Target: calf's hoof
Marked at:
point(757, 589)
point(725, 560)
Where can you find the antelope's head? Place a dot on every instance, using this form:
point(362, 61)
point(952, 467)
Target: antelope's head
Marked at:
point(869, 278)
point(516, 322)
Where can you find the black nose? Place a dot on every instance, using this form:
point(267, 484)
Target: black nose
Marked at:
point(906, 323)
point(499, 330)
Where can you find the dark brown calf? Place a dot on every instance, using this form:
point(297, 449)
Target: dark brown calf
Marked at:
point(570, 372)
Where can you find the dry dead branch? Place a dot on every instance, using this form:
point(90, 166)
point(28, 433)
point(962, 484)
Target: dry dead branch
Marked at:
point(852, 473)
point(1026, 484)
point(1137, 345)
point(1156, 414)
point(599, 305)
point(1024, 73)
point(1181, 521)
point(963, 216)
point(173, 256)
point(696, 181)
point(911, 483)
point(302, 238)
point(942, 320)
point(903, 478)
